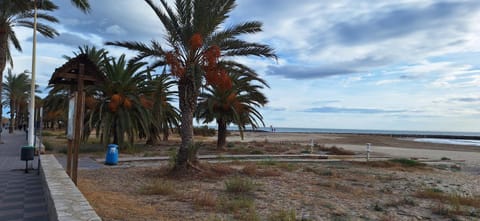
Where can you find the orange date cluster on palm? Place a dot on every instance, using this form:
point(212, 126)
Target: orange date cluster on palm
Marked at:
point(196, 41)
point(216, 76)
point(116, 100)
point(177, 69)
point(146, 103)
point(90, 102)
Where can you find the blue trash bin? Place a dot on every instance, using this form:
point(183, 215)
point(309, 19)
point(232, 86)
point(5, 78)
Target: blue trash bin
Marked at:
point(112, 154)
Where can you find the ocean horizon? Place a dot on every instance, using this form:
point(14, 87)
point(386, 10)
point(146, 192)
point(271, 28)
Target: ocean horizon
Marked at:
point(364, 131)
point(441, 137)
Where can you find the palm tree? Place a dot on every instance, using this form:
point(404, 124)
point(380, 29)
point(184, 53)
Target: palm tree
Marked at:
point(83, 5)
point(235, 105)
point(56, 106)
point(20, 13)
point(121, 107)
point(197, 42)
point(165, 115)
point(16, 96)
point(17, 89)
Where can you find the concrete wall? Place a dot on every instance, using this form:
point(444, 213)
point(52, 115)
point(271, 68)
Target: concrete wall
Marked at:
point(65, 201)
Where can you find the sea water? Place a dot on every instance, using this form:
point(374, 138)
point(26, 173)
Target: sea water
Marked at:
point(449, 141)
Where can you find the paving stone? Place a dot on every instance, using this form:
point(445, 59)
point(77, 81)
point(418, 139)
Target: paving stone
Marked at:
point(21, 194)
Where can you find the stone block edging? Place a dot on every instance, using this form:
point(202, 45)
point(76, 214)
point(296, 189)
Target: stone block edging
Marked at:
point(65, 202)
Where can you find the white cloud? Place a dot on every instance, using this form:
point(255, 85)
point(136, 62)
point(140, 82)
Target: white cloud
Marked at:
point(411, 63)
point(115, 29)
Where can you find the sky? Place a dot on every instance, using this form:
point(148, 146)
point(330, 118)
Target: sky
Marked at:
point(342, 64)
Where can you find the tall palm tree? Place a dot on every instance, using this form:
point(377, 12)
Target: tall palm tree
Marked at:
point(236, 105)
point(121, 107)
point(197, 41)
point(20, 13)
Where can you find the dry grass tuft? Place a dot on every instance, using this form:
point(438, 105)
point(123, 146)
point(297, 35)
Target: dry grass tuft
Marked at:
point(452, 199)
point(268, 172)
point(213, 171)
point(235, 205)
point(205, 200)
point(221, 169)
point(395, 164)
point(320, 172)
point(290, 167)
point(239, 185)
point(334, 150)
point(125, 205)
point(159, 187)
point(250, 169)
point(283, 215)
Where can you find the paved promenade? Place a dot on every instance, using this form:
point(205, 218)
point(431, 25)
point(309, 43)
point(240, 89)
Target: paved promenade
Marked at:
point(21, 194)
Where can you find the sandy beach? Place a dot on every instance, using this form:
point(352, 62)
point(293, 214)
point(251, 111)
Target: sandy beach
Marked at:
point(380, 145)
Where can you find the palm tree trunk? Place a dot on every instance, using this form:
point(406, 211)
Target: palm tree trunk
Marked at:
point(12, 114)
point(166, 133)
point(114, 130)
point(222, 134)
point(188, 102)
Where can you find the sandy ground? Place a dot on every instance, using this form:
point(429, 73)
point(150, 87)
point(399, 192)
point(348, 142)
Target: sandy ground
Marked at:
point(340, 190)
point(380, 145)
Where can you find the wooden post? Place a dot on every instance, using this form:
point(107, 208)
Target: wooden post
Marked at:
point(79, 106)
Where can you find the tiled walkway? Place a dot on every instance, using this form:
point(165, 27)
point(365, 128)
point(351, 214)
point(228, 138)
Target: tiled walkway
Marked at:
point(21, 194)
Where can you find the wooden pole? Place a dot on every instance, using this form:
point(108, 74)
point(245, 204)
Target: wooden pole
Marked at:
point(78, 121)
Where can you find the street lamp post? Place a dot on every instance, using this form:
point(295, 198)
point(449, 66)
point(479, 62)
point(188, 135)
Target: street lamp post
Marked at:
point(31, 119)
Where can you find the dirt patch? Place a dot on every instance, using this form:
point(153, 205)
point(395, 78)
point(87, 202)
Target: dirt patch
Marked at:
point(266, 190)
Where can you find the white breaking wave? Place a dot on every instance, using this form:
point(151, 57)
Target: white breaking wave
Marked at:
point(449, 141)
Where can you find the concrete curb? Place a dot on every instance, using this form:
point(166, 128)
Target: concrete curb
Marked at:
point(65, 202)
